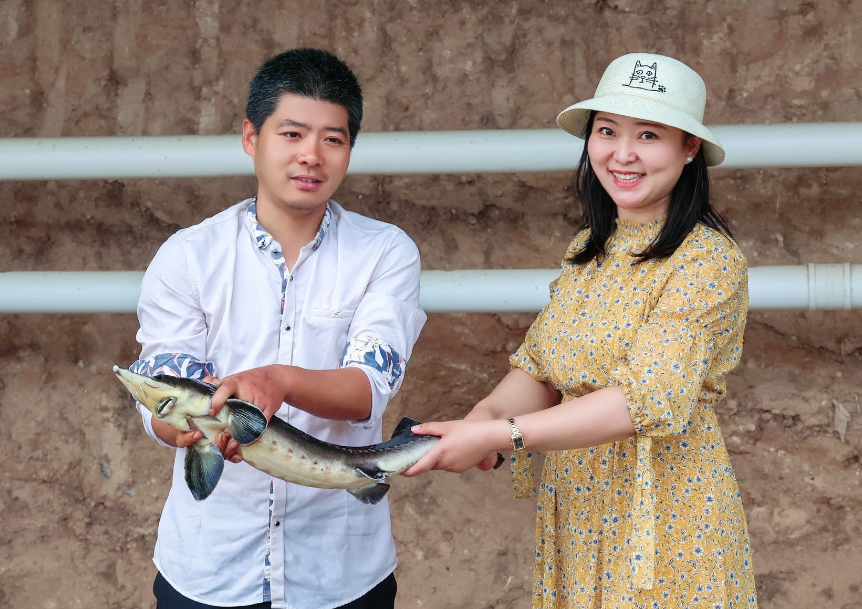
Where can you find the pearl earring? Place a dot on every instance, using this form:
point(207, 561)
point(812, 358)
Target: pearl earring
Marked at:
point(688, 159)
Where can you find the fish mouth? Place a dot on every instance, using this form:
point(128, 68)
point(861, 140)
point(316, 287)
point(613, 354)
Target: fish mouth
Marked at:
point(164, 406)
point(146, 391)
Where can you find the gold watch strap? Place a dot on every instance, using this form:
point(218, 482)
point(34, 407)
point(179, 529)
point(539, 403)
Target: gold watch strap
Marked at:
point(517, 438)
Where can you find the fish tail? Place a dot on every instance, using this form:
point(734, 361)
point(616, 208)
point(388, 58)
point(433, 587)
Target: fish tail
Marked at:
point(404, 426)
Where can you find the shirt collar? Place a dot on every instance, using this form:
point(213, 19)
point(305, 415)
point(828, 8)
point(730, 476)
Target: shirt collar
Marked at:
point(266, 242)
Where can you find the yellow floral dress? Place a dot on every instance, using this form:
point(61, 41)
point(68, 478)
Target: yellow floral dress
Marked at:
point(656, 520)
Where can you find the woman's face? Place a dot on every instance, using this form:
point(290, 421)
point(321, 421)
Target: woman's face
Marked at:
point(638, 163)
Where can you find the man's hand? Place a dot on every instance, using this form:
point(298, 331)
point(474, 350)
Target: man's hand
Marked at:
point(265, 387)
point(227, 445)
point(184, 439)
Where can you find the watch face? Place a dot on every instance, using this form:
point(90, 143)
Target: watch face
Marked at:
point(518, 443)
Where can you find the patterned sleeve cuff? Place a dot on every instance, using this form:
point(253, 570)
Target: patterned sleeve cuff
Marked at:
point(368, 350)
point(174, 364)
point(171, 364)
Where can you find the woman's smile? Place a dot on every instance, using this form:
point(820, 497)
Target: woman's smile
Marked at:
point(638, 163)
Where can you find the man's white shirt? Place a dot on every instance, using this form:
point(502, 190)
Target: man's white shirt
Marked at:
point(217, 300)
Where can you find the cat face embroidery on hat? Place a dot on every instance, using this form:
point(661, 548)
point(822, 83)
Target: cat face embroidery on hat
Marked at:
point(645, 77)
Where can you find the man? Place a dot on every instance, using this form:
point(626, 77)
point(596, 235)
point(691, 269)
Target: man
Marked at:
point(305, 309)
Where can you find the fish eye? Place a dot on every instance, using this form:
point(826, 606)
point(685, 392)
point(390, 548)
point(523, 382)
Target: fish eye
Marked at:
point(164, 405)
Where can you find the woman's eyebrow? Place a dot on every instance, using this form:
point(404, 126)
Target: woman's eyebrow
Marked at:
point(650, 124)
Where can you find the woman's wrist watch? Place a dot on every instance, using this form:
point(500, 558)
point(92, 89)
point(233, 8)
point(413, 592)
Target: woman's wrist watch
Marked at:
point(517, 438)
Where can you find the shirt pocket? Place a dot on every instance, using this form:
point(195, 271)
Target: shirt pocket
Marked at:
point(336, 314)
point(328, 329)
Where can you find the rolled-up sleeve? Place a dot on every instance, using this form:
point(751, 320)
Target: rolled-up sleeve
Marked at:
point(386, 324)
point(693, 333)
point(172, 329)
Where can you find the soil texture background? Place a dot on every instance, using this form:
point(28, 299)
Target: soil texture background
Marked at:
point(82, 486)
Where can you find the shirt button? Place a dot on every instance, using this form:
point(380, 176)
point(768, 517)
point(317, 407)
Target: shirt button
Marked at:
point(291, 278)
point(287, 328)
point(278, 523)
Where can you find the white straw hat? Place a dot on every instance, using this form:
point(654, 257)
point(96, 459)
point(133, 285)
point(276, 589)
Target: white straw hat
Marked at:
point(651, 88)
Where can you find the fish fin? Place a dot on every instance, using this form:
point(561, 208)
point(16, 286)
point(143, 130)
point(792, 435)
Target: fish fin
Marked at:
point(375, 473)
point(204, 466)
point(246, 421)
point(370, 493)
point(404, 426)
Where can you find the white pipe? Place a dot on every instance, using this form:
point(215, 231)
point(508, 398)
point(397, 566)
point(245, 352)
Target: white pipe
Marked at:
point(815, 286)
point(70, 292)
point(423, 152)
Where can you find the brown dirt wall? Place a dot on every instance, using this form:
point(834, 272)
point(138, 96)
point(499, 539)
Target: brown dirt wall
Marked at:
point(81, 486)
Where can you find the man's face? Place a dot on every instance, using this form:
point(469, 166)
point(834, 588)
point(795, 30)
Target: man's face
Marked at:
point(301, 153)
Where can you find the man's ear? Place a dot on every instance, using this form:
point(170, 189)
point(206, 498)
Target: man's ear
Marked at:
point(249, 137)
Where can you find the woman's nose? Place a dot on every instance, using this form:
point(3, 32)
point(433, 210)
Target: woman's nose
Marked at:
point(624, 151)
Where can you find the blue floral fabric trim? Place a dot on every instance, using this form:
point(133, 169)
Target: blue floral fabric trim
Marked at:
point(267, 565)
point(267, 242)
point(174, 364)
point(368, 350)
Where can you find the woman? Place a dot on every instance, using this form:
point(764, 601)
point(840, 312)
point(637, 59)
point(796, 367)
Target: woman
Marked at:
point(618, 375)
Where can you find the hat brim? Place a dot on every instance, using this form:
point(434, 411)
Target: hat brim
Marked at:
point(574, 120)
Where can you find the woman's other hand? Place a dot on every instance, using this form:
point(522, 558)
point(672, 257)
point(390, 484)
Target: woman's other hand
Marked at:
point(463, 445)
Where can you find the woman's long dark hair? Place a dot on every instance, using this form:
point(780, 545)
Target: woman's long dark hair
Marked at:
point(689, 204)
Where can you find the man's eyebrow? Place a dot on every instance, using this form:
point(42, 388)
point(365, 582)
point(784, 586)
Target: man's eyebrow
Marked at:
point(289, 122)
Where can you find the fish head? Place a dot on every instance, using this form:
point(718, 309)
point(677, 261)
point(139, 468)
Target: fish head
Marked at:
point(172, 400)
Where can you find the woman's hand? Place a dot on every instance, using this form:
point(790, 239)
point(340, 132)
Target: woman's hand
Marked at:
point(492, 460)
point(463, 445)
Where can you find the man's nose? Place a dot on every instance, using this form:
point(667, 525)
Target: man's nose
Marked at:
point(309, 154)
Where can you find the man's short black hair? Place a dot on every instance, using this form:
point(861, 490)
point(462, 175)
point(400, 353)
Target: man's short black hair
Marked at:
point(312, 73)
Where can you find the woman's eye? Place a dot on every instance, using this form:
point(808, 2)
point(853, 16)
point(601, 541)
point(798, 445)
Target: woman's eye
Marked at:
point(648, 135)
point(605, 131)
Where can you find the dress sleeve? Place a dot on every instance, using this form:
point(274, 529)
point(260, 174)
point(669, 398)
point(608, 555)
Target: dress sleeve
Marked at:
point(386, 324)
point(531, 356)
point(689, 341)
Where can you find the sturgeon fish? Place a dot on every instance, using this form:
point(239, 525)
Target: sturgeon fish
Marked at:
point(279, 449)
